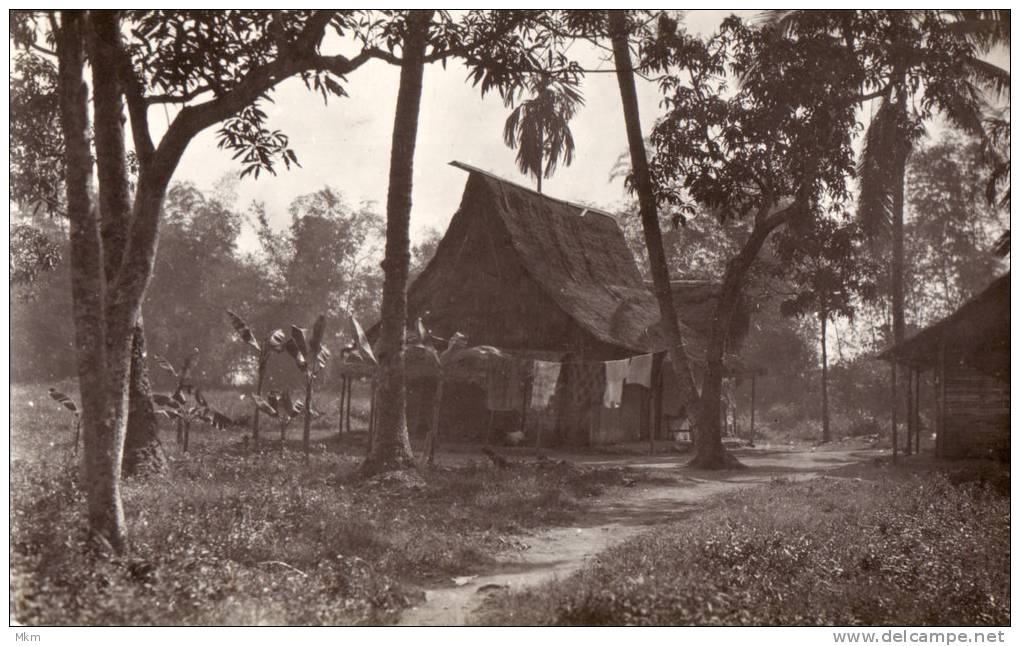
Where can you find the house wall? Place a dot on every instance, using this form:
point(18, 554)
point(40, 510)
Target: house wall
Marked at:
point(975, 413)
point(576, 416)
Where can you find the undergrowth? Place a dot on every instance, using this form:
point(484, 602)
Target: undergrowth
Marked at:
point(915, 551)
point(226, 536)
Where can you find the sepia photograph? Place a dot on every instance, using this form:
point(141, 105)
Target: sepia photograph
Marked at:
point(510, 318)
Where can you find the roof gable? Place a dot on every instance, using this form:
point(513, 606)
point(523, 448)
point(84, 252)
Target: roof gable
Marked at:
point(575, 256)
point(579, 258)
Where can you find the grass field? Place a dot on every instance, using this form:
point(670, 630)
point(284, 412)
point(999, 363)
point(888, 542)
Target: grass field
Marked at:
point(228, 536)
point(921, 548)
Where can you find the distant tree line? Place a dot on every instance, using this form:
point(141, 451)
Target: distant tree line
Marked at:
point(325, 261)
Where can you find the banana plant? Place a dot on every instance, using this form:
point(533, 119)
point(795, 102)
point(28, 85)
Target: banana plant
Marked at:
point(310, 357)
point(358, 350)
point(424, 346)
point(273, 342)
point(69, 404)
point(182, 387)
point(171, 407)
point(283, 408)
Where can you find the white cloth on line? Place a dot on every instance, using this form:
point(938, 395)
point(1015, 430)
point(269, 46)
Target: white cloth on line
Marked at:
point(639, 370)
point(543, 383)
point(616, 373)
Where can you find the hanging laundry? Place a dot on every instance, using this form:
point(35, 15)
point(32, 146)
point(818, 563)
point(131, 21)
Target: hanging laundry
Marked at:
point(616, 373)
point(546, 374)
point(582, 400)
point(639, 371)
point(505, 384)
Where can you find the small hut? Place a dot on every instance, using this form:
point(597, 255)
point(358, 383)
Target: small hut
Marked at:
point(968, 352)
point(545, 279)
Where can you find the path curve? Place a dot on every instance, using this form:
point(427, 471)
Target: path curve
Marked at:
point(557, 552)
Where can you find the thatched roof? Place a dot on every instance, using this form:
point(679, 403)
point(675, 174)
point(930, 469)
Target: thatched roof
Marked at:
point(695, 301)
point(978, 329)
point(579, 258)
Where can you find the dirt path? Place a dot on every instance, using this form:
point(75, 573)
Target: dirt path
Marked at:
point(558, 551)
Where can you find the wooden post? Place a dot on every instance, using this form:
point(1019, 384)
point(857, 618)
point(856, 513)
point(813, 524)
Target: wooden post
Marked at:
point(340, 410)
point(433, 435)
point(917, 411)
point(538, 431)
point(892, 383)
point(652, 406)
point(371, 418)
point(910, 418)
point(754, 379)
point(940, 403)
point(525, 395)
point(657, 379)
point(488, 429)
point(910, 410)
point(736, 428)
point(347, 413)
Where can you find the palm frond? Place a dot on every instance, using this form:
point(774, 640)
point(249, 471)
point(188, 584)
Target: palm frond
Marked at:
point(884, 141)
point(781, 20)
point(984, 28)
point(539, 128)
point(1001, 246)
point(965, 109)
point(991, 78)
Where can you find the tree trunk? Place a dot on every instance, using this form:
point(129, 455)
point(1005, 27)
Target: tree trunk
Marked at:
point(826, 437)
point(709, 450)
point(898, 271)
point(541, 157)
point(101, 429)
point(143, 452)
point(391, 446)
point(898, 266)
point(649, 212)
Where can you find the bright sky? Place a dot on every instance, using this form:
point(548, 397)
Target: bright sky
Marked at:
point(346, 144)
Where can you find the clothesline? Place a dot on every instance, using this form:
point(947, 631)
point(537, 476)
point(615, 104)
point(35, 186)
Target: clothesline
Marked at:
point(519, 383)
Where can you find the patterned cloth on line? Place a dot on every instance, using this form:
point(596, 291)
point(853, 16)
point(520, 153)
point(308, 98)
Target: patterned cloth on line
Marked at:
point(543, 385)
point(616, 372)
point(505, 384)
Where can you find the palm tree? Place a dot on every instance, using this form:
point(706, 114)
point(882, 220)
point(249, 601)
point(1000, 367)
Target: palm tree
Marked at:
point(711, 454)
point(897, 124)
point(890, 138)
point(391, 446)
point(539, 127)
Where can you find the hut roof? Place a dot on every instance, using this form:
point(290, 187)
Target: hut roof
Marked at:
point(695, 300)
point(979, 328)
point(580, 258)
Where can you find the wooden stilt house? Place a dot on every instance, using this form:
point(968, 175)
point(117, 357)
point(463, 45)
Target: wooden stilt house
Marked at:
point(968, 353)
